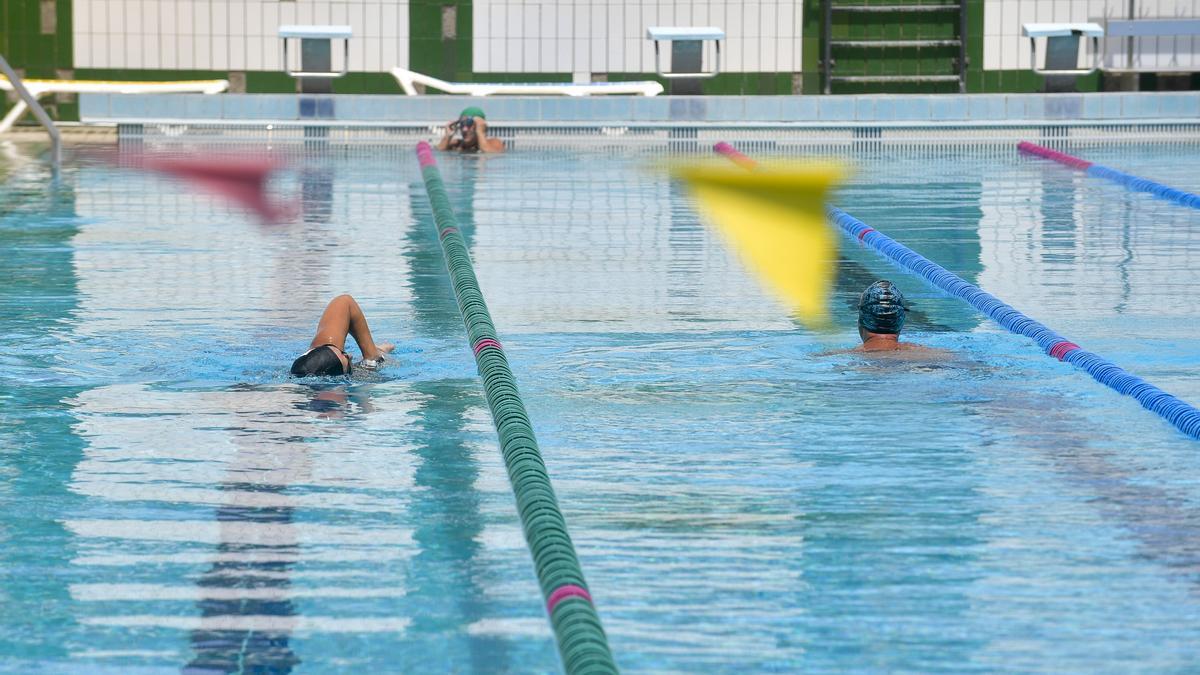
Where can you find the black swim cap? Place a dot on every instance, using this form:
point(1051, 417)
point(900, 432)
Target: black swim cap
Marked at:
point(881, 308)
point(321, 360)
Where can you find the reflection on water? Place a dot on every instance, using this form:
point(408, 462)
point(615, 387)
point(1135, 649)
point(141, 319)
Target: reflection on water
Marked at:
point(740, 500)
point(261, 571)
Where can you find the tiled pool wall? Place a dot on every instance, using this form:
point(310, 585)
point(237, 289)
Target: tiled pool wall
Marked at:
point(501, 111)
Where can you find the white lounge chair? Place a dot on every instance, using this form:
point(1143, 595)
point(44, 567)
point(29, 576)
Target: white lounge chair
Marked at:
point(41, 87)
point(408, 78)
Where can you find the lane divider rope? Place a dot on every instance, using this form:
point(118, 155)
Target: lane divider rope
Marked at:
point(1130, 181)
point(582, 643)
point(1184, 416)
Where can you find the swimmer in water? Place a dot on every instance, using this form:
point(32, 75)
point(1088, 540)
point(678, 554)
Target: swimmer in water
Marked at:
point(881, 314)
point(327, 354)
point(468, 133)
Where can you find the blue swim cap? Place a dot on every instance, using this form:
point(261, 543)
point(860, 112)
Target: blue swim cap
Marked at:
point(881, 308)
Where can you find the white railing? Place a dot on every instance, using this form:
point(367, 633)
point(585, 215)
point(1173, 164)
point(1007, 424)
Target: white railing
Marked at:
point(38, 112)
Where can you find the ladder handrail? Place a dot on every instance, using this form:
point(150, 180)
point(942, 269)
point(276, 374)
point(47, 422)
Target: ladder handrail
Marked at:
point(38, 112)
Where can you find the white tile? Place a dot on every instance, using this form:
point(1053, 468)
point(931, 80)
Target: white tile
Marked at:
point(598, 55)
point(81, 49)
point(493, 56)
point(389, 52)
point(484, 55)
point(322, 13)
point(1024, 61)
point(649, 17)
point(683, 14)
point(81, 19)
point(481, 26)
point(99, 18)
point(254, 20)
point(150, 17)
point(372, 58)
point(785, 16)
point(547, 21)
point(598, 27)
point(733, 24)
point(564, 19)
point(283, 13)
point(514, 22)
point(339, 15)
point(253, 47)
point(514, 55)
point(615, 16)
point(168, 51)
point(99, 57)
point(647, 55)
point(1010, 18)
point(151, 51)
point(116, 18)
point(219, 17)
point(372, 19)
point(272, 54)
point(201, 20)
point(700, 14)
point(561, 56)
point(133, 18)
point(237, 52)
point(751, 55)
point(388, 21)
point(185, 57)
point(580, 23)
point(1008, 57)
point(768, 20)
point(202, 52)
point(219, 56)
point(402, 23)
point(1037, 10)
point(581, 55)
point(1060, 10)
point(992, 16)
point(402, 45)
point(305, 14)
point(631, 58)
point(531, 59)
point(785, 55)
point(991, 52)
point(614, 48)
point(769, 56)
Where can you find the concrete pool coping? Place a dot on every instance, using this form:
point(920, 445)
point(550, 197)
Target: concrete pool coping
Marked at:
point(553, 111)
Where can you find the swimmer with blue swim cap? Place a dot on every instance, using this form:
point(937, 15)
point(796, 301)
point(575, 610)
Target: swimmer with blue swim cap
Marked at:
point(468, 133)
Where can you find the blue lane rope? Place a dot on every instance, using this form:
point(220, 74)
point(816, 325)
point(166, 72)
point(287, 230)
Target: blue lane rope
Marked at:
point(1185, 417)
point(1130, 181)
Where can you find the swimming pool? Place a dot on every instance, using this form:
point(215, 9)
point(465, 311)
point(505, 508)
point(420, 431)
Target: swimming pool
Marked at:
point(739, 500)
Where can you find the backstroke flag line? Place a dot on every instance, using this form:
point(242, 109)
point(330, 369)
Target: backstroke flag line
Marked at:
point(774, 216)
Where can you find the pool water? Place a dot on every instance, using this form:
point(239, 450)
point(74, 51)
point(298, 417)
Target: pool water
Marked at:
point(742, 497)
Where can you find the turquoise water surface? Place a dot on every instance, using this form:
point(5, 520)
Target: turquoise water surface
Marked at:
point(741, 498)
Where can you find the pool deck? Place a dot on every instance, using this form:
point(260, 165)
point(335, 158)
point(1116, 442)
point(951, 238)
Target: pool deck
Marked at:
point(877, 109)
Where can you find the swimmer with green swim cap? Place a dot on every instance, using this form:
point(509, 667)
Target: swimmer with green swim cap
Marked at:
point(468, 133)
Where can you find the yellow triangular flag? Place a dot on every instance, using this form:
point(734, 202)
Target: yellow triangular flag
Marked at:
point(775, 217)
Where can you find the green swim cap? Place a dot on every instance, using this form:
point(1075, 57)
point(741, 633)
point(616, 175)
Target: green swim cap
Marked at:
point(472, 111)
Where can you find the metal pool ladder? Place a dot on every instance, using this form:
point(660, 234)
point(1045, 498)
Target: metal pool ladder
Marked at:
point(39, 113)
point(886, 32)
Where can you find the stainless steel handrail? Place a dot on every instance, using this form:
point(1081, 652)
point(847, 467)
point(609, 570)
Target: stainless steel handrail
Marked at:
point(39, 113)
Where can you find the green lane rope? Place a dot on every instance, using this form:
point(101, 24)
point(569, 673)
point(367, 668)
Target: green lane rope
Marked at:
point(582, 643)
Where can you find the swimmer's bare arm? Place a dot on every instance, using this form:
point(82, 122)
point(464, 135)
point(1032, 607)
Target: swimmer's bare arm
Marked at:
point(487, 144)
point(342, 316)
